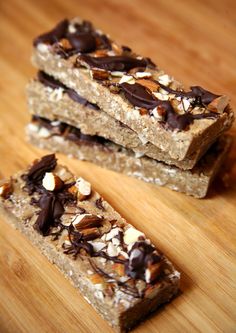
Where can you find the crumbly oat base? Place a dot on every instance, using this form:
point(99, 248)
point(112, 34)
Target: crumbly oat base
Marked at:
point(93, 79)
point(106, 154)
point(55, 104)
point(90, 243)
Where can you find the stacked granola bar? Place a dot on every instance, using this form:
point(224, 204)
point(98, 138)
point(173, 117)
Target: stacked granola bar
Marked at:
point(101, 102)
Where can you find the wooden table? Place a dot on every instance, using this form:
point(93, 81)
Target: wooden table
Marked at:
point(194, 41)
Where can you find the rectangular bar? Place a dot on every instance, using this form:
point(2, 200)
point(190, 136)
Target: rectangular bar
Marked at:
point(132, 89)
point(60, 137)
point(50, 99)
point(116, 268)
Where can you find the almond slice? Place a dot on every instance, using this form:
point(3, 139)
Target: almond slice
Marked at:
point(152, 272)
point(90, 233)
point(149, 84)
point(52, 182)
point(84, 189)
point(6, 190)
point(219, 104)
point(84, 221)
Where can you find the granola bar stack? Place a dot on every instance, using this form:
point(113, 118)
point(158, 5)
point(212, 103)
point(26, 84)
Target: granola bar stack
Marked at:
point(98, 101)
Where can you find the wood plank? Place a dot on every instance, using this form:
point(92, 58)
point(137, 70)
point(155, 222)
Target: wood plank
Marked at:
point(194, 41)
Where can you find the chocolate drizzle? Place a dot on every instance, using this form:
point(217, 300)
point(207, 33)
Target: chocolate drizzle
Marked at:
point(52, 206)
point(140, 96)
point(51, 82)
point(114, 63)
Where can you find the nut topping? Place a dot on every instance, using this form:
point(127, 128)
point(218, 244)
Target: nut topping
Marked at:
point(84, 189)
point(52, 182)
point(219, 104)
point(90, 233)
point(149, 84)
point(132, 235)
point(99, 74)
point(152, 272)
point(84, 221)
point(6, 190)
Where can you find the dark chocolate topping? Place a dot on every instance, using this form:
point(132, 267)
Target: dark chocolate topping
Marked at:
point(53, 83)
point(53, 35)
point(202, 97)
point(114, 63)
point(139, 96)
point(99, 204)
point(38, 169)
point(82, 42)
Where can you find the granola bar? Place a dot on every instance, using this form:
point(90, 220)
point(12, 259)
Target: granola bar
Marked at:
point(61, 137)
point(115, 267)
point(49, 98)
point(132, 89)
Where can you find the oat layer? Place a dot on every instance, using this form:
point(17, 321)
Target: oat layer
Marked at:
point(193, 182)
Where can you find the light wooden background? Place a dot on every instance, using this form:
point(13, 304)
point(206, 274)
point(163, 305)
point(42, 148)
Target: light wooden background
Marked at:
point(193, 40)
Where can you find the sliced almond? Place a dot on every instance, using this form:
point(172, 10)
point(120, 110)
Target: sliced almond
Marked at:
point(112, 250)
point(149, 84)
point(84, 189)
point(152, 272)
point(127, 79)
point(132, 235)
point(98, 74)
point(141, 75)
point(219, 104)
point(6, 190)
point(90, 233)
point(52, 182)
point(83, 221)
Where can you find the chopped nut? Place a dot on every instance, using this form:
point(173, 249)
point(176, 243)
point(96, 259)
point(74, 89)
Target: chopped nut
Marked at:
point(165, 79)
point(65, 44)
point(127, 79)
point(114, 232)
point(52, 182)
point(117, 49)
point(219, 104)
point(159, 113)
point(87, 221)
point(6, 190)
point(149, 84)
point(73, 190)
point(152, 272)
point(112, 250)
point(90, 233)
point(99, 74)
point(132, 235)
point(117, 74)
point(141, 75)
point(98, 246)
point(143, 111)
point(84, 189)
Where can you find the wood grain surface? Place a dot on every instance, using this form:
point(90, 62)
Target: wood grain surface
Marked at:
point(194, 41)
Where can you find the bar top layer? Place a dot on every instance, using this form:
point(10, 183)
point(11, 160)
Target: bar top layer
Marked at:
point(131, 88)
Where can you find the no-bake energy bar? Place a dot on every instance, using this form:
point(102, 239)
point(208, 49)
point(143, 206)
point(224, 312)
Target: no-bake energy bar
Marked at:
point(131, 89)
point(115, 266)
point(61, 137)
